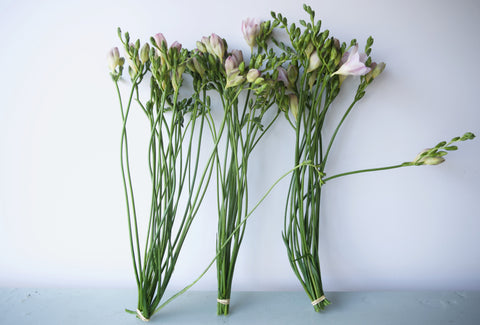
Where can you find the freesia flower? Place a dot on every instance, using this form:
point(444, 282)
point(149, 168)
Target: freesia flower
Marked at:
point(353, 64)
point(314, 61)
point(159, 40)
point(376, 69)
point(252, 75)
point(230, 64)
point(293, 99)
point(217, 46)
point(250, 30)
point(282, 76)
point(145, 53)
point(114, 59)
point(176, 46)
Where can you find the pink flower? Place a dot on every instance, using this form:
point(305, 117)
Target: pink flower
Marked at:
point(217, 46)
point(176, 45)
point(353, 64)
point(159, 40)
point(250, 30)
point(230, 64)
point(282, 76)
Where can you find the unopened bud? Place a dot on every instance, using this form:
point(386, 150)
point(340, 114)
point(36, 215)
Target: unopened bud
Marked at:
point(313, 62)
point(292, 74)
point(375, 70)
point(252, 75)
point(293, 104)
point(432, 160)
point(144, 53)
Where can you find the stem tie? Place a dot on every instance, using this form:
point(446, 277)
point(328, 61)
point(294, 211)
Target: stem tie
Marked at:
point(317, 301)
point(139, 314)
point(223, 301)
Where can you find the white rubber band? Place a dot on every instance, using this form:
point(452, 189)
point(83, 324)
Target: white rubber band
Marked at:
point(223, 301)
point(319, 300)
point(141, 316)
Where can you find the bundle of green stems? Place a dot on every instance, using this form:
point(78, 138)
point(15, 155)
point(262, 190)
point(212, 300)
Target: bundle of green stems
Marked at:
point(323, 64)
point(178, 177)
point(246, 97)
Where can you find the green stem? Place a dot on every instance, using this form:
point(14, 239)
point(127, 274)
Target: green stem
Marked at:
point(406, 164)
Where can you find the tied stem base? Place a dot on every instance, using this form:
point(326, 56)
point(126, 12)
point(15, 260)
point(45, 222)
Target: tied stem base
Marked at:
point(223, 306)
point(321, 305)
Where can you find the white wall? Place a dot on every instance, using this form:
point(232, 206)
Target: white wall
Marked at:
point(62, 217)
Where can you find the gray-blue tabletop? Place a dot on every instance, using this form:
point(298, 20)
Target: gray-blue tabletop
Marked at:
point(107, 306)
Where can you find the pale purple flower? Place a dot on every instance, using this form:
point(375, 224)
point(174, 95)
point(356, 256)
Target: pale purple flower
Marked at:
point(250, 30)
point(238, 56)
point(176, 45)
point(217, 46)
point(230, 64)
point(353, 64)
point(282, 76)
point(159, 39)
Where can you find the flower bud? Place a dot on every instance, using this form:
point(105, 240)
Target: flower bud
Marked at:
point(292, 74)
point(201, 47)
point(217, 46)
point(376, 69)
point(145, 53)
point(432, 160)
point(282, 76)
point(230, 64)
point(198, 67)
point(293, 104)
point(250, 30)
point(176, 46)
point(309, 49)
point(234, 79)
point(159, 40)
point(252, 75)
point(114, 59)
point(313, 62)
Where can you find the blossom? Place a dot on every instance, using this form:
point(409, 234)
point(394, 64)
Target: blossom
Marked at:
point(353, 64)
point(233, 61)
point(159, 40)
point(177, 46)
point(217, 46)
point(423, 158)
point(114, 59)
point(282, 76)
point(376, 69)
point(252, 75)
point(213, 44)
point(313, 62)
point(250, 30)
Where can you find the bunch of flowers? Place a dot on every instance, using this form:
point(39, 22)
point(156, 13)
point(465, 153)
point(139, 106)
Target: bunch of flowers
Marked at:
point(323, 64)
point(301, 77)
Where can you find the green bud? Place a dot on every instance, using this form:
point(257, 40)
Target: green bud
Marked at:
point(145, 53)
point(292, 74)
point(468, 136)
point(432, 160)
point(293, 103)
